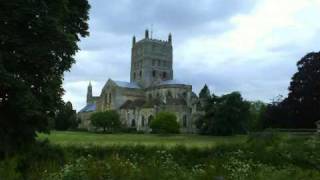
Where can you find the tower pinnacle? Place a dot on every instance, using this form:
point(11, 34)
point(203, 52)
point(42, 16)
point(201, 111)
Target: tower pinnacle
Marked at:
point(147, 34)
point(89, 93)
point(133, 40)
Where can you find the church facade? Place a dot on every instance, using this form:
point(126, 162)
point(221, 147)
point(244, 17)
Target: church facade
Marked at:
point(152, 89)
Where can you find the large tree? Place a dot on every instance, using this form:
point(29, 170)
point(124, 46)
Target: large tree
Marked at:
point(225, 115)
point(204, 97)
point(38, 39)
point(257, 112)
point(66, 118)
point(304, 92)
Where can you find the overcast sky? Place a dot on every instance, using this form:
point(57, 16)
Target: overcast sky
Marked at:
point(250, 46)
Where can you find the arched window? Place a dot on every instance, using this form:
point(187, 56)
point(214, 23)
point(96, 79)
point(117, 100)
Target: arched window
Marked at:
point(153, 73)
point(106, 99)
point(142, 121)
point(184, 94)
point(140, 74)
point(150, 118)
point(109, 98)
point(164, 75)
point(133, 123)
point(184, 121)
point(169, 94)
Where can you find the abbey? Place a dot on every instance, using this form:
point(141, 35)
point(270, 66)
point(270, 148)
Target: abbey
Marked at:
point(151, 89)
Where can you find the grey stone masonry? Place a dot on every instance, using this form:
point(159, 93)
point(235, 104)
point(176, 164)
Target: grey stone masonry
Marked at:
point(151, 61)
point(151, 90)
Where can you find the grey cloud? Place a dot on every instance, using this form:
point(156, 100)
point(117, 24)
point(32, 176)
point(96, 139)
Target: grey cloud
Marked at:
point(125, 16)
point(106, 53)
point(254, 78)
point(99, 65)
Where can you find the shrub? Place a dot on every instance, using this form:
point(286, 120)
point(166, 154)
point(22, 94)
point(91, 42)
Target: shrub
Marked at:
point(291, 157)
point(165, 122)
point(8, 169)
point(108, 120)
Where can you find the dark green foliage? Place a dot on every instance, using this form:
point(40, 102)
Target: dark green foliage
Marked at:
point(204, 97)
point(257, 112)
point(37, 44)
point(301, 108)
point(108, 120)
point(225, 115)
point(66, 118)
point(205, 92)
point(165, 122)
point(304, 92)
point(277, 115)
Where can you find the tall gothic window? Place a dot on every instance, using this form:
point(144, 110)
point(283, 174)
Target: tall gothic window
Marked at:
point(106, 99)
point(153, 73)
point(133, 123)
point(150, 118)
point(140, 74)
point(142, 121)
point(184, 121)
point(164, 75)
point(109, 98)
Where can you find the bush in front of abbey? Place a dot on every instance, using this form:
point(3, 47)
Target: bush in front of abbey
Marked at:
point(165, 122)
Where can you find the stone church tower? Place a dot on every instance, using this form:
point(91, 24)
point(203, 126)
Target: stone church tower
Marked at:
point(151, 61)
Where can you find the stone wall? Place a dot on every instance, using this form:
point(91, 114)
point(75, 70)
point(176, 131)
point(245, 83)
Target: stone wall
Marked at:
point(85, 120)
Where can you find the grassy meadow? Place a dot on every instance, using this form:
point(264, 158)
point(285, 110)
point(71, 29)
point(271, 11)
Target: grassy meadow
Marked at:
point(70, 138)
point(90, 156)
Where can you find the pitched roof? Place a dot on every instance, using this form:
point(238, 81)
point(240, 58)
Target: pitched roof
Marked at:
point(88, 108)
point(127, 84)
point(129, 104)
point(174, 81)
point(176, 101)
point(153, 102)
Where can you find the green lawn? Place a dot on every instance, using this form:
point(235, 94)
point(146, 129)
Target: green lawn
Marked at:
point(67, 138)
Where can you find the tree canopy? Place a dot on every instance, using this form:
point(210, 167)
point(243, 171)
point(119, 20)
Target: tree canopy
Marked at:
point(165, 122)
point(66, 118)
point(204, 97)
point(257, 112)
point(205, 92)
point(304, 92)
point(301, 108)
point(38, 40)
point(225, 115)
point(108, 120)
